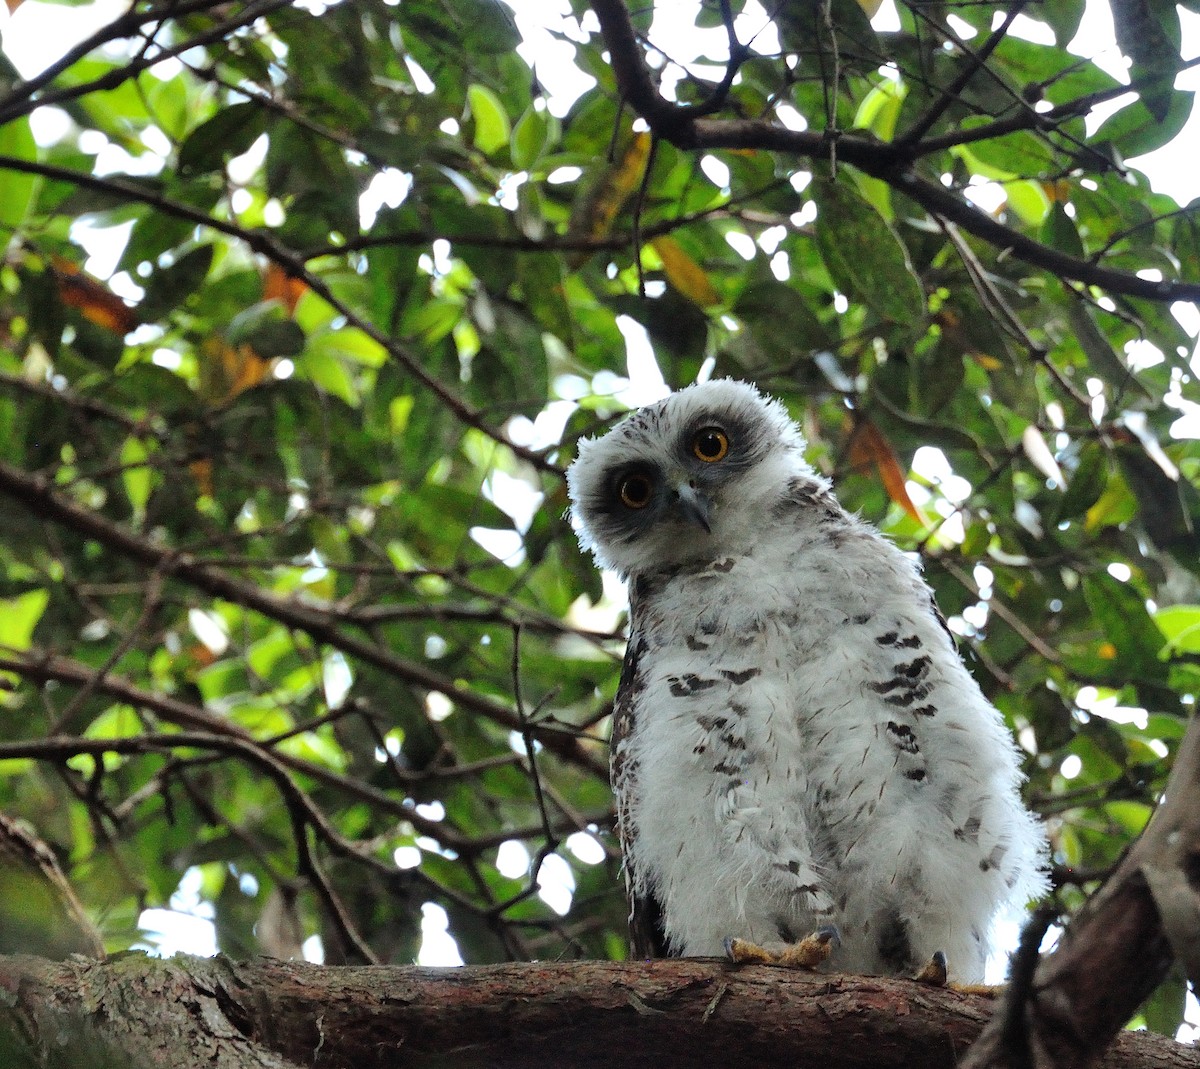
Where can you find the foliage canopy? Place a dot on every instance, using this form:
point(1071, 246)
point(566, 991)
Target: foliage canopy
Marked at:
point(286, 591)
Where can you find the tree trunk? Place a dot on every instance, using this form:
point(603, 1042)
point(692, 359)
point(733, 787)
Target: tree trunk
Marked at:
point(135, 1012)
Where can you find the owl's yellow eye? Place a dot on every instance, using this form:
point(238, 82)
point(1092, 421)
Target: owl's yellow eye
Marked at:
point(636, 491)
point(710, 445)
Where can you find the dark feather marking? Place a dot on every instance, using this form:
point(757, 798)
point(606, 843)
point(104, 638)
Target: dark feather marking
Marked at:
point(741, 677)
point(903, 737)
point(916, 694)
point(969, 832)
point(686, 685)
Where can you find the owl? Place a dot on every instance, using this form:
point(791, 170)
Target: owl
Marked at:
point(803, 767)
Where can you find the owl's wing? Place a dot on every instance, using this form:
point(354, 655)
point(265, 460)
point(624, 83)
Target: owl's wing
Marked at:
point(646, 934)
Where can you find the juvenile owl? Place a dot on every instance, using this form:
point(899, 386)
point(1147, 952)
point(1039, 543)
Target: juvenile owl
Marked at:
point(802, 764)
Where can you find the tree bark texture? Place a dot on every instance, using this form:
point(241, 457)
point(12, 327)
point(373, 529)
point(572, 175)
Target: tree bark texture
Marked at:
point(1117, 948)
point(135, 1012)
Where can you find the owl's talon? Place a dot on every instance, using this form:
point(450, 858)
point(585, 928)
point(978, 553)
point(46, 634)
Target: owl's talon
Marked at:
point(813, 949)
point(935, 972)
point(810, 952)
point(743, 952)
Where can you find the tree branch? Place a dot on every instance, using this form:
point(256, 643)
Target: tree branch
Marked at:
point(680, 125)
point(37, 494)
point(221, 1014)
point(265, 245)
point(1116, 951)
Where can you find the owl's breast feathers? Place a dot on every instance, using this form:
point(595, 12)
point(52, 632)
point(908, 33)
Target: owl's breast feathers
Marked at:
point(794, 732)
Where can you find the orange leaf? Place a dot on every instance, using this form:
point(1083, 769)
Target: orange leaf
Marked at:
point(227, 370)
point(1058, 190)
point(95, 301)
point(202, 472)
point(278, 285)
point(869, 447)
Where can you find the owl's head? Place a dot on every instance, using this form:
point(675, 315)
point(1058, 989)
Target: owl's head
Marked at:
point(689, 478)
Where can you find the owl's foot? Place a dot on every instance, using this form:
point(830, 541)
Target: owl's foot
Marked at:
point(810, 952)
point(934, 972)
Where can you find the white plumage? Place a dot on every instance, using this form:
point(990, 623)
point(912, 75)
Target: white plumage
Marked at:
point(796, 742)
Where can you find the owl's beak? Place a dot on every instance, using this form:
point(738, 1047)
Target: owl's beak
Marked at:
point(694, 506)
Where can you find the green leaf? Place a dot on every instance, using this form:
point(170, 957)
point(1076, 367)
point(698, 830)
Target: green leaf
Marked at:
point(880, 109)
point(1059, 232)
point(1181, 626)
point(17, 189)
point(227, 134)
point(492, 128)
point(1029, 201)
point(530, 137)
point(1135, 130)
point(1122, 612)
point(19, 616)
point(138, 476)
point(169, 287)
point(1086, 482)
point(865, 257)
point(266, 328)
point(1164, 1010)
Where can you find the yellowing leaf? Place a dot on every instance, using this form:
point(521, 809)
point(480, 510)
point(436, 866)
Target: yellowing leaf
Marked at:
point(988, 363)
point(594, 214)
point(687, 276)
point(869, 447)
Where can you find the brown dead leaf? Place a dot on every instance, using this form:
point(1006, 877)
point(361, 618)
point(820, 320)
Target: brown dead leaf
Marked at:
point(869, 448)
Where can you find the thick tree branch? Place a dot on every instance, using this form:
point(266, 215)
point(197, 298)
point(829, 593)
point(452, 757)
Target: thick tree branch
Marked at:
point(220, 1014)
point(682, 126)
point(1116, 950)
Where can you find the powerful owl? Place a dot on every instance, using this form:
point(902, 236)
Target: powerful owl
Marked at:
point(800, 759)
